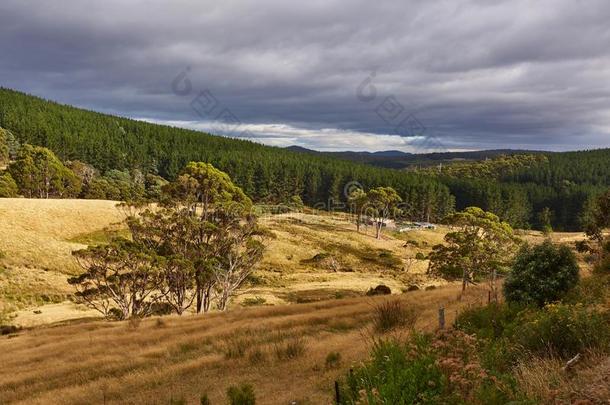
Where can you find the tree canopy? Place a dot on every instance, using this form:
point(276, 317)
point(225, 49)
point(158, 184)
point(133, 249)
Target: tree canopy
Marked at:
point(480, 247)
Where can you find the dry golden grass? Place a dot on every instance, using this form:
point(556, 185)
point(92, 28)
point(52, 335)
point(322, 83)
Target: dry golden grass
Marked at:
point(36, 233)
point(281, 350)
point(36, 242)
point(545, 380)
point(39, 236)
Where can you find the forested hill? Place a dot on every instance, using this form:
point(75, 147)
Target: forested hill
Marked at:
point(518, 187)
point(403, 160)
point(521, 187)
point(112, 144)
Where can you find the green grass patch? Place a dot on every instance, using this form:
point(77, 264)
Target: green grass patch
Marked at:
point(100, 237)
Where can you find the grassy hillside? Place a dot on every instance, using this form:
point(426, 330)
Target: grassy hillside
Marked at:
point(312, 257)
point(37, 239)
point(281, 350)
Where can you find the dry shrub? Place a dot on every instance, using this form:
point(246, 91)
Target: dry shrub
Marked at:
point(393, 314)
point(333, 360)
point(544, 380)
point(257, 356)
point(134, 323)
point(236, 347)
point(540, 378)
point(241, 395)
point(291, 348)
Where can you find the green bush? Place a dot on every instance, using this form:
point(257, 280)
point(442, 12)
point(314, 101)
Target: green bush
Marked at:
point(440, 369)
point(490, 321)
point(397, 374)
point(241, 395)
point(541, 274)
point(562, 330)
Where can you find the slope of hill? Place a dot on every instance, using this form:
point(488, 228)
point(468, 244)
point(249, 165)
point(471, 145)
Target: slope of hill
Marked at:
point(312, 257)
point(280, 350)
point(265, 173)
point(37, 239)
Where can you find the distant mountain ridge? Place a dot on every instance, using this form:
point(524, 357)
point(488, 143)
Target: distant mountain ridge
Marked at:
point(396, 159)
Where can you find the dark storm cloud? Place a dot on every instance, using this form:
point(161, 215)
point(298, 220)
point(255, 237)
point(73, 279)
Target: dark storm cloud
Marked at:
point(476, 74)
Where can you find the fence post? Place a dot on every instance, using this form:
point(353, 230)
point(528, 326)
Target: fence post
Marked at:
point(337, 393)
point(441, 318)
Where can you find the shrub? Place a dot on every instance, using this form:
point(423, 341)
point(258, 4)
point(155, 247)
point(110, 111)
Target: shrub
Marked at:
point(541, 274)
point(241, 395)
point(397, 374)
point(381, 289)
point(250, 302)
point(290, 349)
point(590, 291)
point(490, 321)
point(8, 329)
point(257, 356)
point(562, 330)
point(393, 314)
point(444, 369)
point(494, 326)
point(204, 400)
point(333, 360)
point(115, 314)
point(420, 256)
point(161, 308)
point(236, 347)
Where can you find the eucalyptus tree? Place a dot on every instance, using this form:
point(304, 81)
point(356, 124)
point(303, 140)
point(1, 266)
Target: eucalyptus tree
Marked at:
point(382, 204)
point(482, 246)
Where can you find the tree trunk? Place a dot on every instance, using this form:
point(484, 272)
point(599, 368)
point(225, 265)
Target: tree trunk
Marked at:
point(199, 296)
point(464, 281)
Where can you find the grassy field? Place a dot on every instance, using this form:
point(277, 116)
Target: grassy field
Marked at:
point(312, 257)
point(280, 350)
point(37, 239)
point(314, 273)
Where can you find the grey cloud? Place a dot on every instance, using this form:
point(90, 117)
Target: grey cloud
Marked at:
point(477, 74)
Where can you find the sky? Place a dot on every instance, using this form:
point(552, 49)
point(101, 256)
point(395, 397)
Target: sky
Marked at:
point(329, 75)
